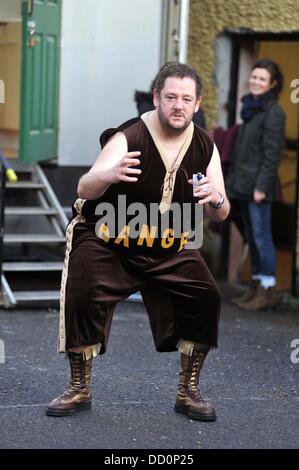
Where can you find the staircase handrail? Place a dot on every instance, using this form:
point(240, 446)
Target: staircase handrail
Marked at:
point(7, 173)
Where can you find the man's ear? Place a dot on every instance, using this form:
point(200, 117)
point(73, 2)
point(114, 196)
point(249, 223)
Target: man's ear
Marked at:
point(198, 103)
point(156, 98)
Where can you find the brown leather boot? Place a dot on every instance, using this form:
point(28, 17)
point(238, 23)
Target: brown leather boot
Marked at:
point(189, 400)
point(264, 298)
point(249, 293)
point(78, 396)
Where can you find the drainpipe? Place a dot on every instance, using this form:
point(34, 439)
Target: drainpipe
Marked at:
point(184, 30)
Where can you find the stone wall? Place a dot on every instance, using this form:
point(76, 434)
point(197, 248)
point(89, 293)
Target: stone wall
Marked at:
point(209, 18)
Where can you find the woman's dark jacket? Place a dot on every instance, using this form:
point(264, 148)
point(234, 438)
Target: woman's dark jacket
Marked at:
point(257, 154)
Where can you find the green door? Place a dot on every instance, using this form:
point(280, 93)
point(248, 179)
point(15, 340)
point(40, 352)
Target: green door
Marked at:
point(39, 82)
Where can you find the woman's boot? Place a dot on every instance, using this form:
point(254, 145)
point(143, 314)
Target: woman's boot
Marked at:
point(264, 299)
point(249, 294)
point(189, 400)
point(78, 395)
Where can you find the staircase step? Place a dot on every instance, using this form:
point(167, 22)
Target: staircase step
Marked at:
point(27, 296)
point(20, 167)
point(25, 185)
point(33, 238)
point(29, 211)
point(32, 266)
point(43, 203)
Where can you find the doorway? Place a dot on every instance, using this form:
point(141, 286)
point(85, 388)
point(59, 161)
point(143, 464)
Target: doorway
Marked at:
point(283, 49)
point(10, 73)
point(29, 68)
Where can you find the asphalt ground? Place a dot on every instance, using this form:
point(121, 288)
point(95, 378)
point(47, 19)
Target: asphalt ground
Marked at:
point(250, 379)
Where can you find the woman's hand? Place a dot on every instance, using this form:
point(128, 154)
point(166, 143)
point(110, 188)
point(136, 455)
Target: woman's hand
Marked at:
point(258, 196)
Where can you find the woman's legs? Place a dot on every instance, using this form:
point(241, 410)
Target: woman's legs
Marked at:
point(260, 216)
point(249, 239)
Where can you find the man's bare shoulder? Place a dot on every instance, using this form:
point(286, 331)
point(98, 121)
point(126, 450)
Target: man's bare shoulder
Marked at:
point(131, 125)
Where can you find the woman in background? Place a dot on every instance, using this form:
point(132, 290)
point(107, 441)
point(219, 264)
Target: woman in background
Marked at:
point(252, 179)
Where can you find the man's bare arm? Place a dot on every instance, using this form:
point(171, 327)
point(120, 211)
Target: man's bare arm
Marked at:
point(114, 164)
point(211, 188)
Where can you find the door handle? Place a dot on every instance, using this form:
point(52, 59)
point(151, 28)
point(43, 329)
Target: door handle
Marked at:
point(32, 42)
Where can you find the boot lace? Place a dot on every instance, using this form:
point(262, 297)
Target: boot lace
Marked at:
point(193, 387)
point(78, 377)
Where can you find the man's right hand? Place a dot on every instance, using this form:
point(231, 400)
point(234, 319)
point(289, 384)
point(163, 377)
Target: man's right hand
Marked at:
point(95, 182)
point(113, 165)
point(124, 170)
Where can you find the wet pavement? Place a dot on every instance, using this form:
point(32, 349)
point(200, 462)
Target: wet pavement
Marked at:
point(250, 379)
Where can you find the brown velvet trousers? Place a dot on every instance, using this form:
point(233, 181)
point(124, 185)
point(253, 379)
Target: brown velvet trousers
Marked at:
point(180, 295)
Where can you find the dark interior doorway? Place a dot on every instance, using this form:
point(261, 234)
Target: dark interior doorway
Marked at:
point(283, 49)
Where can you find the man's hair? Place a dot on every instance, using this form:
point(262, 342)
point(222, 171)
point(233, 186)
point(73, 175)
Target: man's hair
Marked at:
point(176, 69)
point(274, 71)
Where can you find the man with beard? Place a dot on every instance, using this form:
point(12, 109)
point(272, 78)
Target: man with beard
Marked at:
point(151, 162)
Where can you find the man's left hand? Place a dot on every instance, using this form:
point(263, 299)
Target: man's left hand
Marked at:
point(205, 191)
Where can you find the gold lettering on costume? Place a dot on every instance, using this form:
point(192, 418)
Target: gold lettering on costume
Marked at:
point(167, 238)
point(184, 240)
point(123, 236)
point(149, 237)
point(103, 233)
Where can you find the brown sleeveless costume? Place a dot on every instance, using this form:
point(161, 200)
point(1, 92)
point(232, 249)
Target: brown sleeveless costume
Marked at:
point(179, 292)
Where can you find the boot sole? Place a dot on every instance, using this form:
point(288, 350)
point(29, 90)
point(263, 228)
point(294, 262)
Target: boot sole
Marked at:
point(266, 308)
point(77, 408)
point(184, 410)
point(238, 302)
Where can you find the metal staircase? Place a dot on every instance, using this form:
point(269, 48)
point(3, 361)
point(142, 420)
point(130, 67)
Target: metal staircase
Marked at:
point(34, 238)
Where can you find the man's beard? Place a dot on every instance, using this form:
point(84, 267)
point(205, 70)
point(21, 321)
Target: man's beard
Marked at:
point(168, 127)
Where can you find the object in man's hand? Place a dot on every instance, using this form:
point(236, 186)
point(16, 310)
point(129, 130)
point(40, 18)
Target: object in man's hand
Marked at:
point(196, 177)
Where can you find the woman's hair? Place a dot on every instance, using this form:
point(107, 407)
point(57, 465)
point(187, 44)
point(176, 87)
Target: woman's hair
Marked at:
point(176, 69)
point(274, 71)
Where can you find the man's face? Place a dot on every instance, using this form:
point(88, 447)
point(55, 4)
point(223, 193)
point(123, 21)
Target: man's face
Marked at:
point(177, 103)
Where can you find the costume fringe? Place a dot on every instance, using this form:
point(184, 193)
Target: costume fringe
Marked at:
point(91, 351)
point(187, 347)
point(69, 241)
